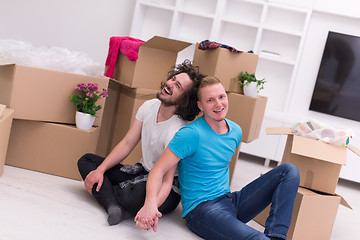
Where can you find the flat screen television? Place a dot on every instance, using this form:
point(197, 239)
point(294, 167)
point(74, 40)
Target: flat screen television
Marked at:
point(337, 87)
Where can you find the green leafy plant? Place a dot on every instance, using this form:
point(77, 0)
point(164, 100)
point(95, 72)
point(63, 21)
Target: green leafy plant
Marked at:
point(245, 78)
point(86, 97)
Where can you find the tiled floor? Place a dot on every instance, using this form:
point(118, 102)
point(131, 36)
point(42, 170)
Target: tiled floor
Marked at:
point(40, 206)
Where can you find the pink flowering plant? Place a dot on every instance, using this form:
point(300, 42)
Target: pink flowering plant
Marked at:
point(86, 97)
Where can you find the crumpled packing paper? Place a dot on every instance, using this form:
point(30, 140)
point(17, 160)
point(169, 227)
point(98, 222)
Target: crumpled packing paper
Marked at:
point(49, 57)
point(320, 131)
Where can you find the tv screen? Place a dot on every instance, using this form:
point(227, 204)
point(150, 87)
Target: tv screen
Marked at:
point(337, 87)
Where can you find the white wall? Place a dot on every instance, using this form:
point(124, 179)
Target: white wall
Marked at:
point(314, 45)
point(78, 25)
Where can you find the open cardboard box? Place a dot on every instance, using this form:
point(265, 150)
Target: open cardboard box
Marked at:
point(156, 57)
point(248, 112)
point(50, 148)
point(313, 215)
point(119, 114)
point(42, 94)
point(6, 118)
point(319, 163)
point(225, 65)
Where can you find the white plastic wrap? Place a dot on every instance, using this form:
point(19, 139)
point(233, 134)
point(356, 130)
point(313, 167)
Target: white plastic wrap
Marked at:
point(50, 57)
point(323, 132)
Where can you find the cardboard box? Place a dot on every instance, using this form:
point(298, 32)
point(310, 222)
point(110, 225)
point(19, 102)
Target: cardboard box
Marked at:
point(6, 118)
point(225, 65)
point(119, 115)
point(319, 163)
point(313, 215)
point(248, 112)
point(43, 95)
point(156, 57)
point(49, 147)
point(108, 122)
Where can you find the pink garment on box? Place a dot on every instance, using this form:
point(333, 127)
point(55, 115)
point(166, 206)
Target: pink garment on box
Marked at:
point(126, 45)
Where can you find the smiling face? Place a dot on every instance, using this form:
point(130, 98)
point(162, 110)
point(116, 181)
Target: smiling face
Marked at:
point(213, 102)
point(174, 88)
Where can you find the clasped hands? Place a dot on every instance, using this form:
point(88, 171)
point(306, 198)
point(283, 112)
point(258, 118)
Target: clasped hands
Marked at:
point(147, 218)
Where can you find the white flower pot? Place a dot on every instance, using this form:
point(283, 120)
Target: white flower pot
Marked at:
point(84, 121)
point(251, 89)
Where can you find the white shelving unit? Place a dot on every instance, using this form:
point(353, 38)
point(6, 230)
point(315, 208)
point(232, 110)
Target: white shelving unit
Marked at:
point(273, 29)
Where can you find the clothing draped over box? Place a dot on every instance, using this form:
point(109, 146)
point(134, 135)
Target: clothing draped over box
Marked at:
point(206, 44)
point(126, 45)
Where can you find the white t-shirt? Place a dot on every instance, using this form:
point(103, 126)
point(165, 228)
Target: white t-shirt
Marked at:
point(155, 136)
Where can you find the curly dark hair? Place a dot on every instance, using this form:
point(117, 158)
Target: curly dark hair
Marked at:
point(187, 107)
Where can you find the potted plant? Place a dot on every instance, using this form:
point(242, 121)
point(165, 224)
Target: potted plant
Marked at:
point(250, 85)
point(85, 100)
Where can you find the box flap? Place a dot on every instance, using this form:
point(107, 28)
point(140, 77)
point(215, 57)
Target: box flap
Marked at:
point(344, 202)
point(278, 130)
point(354, 149)
point(142, 93)
point(166, 44)
point(317, 149)
point(305, 191)
point(2, 108)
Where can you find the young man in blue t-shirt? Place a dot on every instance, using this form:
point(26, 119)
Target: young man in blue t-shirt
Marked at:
point(203, 150)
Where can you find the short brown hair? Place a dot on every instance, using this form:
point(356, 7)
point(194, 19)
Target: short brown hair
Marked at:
point(207, 81)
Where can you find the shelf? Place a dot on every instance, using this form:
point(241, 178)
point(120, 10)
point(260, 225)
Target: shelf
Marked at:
point(207, 7)
point(165, 4)
point(296, 3)
point(278, 78)
point(159, 24)
point(283, 44)
point(242, 12)
point(280, 30)
point(241, 37)
point(197, 14)
point(285, 20)
point(192, 28)
point(244, 23)
point(275, 58)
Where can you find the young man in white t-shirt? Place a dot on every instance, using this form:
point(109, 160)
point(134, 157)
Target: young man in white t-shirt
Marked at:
point(120, 189)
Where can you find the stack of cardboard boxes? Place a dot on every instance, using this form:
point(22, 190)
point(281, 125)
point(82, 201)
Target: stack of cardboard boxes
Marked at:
point(316, 203)
point(136, 82)
point(43, 134)
point(133, 83)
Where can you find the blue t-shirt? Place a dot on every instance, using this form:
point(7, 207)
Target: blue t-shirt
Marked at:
point(204, 165)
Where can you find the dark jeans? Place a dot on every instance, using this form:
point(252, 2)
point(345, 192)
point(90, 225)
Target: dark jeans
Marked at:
point(131, 198)
point(226, 216)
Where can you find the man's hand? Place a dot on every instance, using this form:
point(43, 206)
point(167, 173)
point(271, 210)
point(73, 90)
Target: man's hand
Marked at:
point(92, 178)
point(147, 218)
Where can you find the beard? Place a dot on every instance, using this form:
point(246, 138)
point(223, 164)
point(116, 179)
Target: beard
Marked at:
point(166, 102)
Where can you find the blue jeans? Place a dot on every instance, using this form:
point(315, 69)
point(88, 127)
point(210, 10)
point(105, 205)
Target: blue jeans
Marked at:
point(226, 216)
